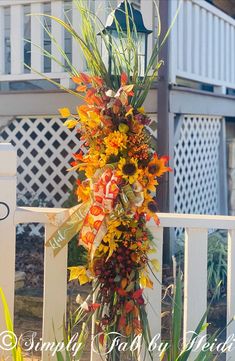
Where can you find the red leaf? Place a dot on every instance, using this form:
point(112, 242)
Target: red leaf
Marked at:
point(129, 306)
point(121, 292)
point(85, 78)
point(137, 294)
point(94, 306)
point(124, 79)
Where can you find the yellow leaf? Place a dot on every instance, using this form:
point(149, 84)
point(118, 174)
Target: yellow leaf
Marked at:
point(142, 280)
point(70, 123)
point(155, 264)
point(145, 281)
point(75, 272)
point(64, 112)
point(141, 110)
point(128, 88)
point(83, 279)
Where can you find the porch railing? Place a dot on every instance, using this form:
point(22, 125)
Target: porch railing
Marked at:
point(16, 25)
point(202, 44)
point(55, 268)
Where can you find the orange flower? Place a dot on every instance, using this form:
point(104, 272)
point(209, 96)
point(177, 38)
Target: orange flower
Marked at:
point(157, 166)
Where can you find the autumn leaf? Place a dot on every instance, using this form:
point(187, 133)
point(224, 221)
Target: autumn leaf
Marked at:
point(123, 283)
point(156, 265)
point(128, 88)
point(70, 123)
point(129, 305)
point(64, 112)
point(81, 88)
point(124, 79)
point(137, 294)
point(121, 292)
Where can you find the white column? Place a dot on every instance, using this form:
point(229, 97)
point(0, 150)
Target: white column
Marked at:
point(7, 226)
point(17, 35)
point(55, 293)
point(2, 41)
point(37, 37)
point(57, 30)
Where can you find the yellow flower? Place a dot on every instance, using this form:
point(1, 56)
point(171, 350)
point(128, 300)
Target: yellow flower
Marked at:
point(128, 169)
point(115, 142)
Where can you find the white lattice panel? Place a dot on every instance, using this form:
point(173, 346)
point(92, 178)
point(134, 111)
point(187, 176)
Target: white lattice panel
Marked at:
point(196, 165)
point(44, 147)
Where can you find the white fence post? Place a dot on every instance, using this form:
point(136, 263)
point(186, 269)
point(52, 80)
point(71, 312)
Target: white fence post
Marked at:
point(55, 294)
point(195, 280)
point(231, 290)
point(7, 226)
point(154, 296)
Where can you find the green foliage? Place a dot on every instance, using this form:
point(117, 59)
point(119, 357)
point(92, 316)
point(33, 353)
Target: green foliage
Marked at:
point(16, 350)
point(217, 262)
point(175, 351)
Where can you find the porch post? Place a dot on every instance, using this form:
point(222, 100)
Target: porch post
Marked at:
point(7, 226)
point(165, 130)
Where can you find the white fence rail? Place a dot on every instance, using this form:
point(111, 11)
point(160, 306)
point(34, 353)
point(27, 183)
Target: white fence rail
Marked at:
point(55, 268)
point(202, 44)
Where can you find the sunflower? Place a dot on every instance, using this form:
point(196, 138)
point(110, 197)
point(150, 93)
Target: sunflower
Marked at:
point(150, 210)
point(151, 184)
point(128, 169)
point(114, 142)
point(157, 166)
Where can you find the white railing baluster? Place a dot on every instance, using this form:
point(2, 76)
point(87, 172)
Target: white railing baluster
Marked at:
point(232, 60)
point(222, 50)
point(7, 228)
point(57, 10)
point(148, 17)
point(216, 48)
point(55, 293)
point(2, 41)
point(37, 37)
point(231, 289)
point(227, 54)
point(195, 279)
point(180, 41)
point(173, 41)
point(189, 44)
point(203, 43)
point(196, 42)
point(209, 65)
point(17, 34)
point(78, 60)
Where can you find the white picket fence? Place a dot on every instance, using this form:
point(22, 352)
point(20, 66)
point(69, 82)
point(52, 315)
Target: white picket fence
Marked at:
point(55, 268)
